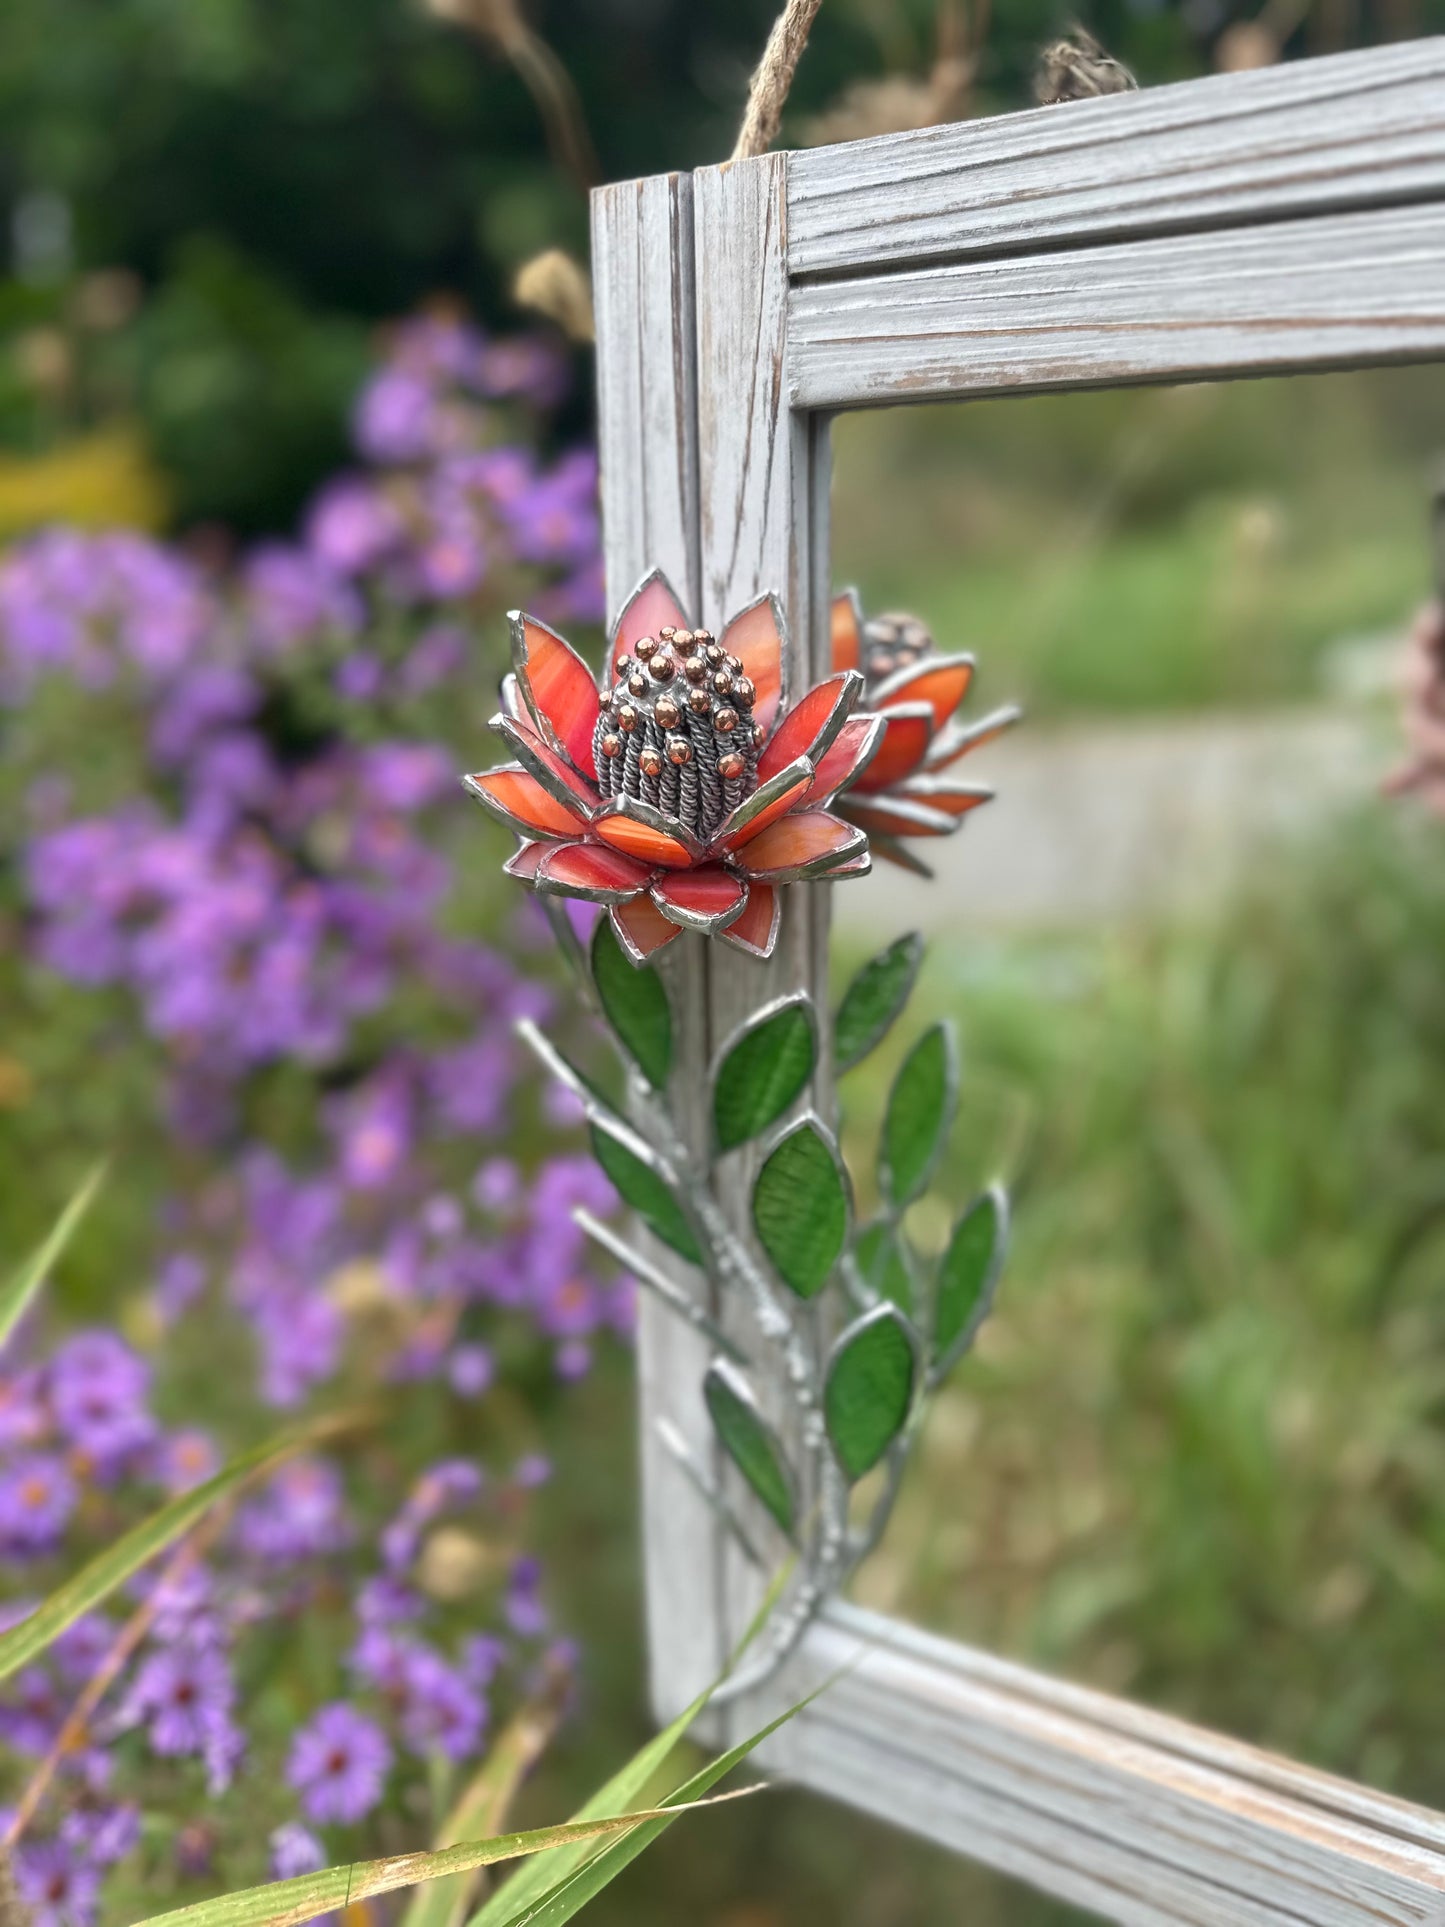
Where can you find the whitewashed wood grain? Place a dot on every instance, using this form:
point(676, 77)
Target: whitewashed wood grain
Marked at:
point(1134, 1814)
point(642, 268)
point(1349, 131)
point(1344, 290)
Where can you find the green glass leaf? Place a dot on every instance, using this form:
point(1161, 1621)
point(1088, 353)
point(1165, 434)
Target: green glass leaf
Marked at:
point(748, 1439)
point(881, 1260)
point(762, 1070)
point(635, 1003)
point(874, 999)
point(968, 1276)
point(800, 1208)
point(641, 1184)
point(920, 1110)
point(869, 1387)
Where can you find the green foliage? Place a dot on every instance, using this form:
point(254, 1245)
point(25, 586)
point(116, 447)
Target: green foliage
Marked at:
point(750, 1442)
point(762, 1071)
point(635, 1004)
point(920, 1111)
point(874, 999)
point(967, 1274)
point(800, 1208)
point(640, 1183)
point(869, 1387)
point(18, 1295)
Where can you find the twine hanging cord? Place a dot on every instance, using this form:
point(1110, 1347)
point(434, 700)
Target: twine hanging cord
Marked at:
point(769, 91)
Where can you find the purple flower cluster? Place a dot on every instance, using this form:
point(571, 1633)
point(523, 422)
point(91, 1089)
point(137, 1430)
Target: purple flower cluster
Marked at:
point(226, 792)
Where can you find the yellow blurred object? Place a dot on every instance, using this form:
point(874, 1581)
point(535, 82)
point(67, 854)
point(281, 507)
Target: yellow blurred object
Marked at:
point(103, 480)
point(554, 284)
point(16, 1084)
point(454, 1563)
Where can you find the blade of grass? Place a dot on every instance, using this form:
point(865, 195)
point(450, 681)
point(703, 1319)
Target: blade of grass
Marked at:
point(531, 1883)
point(482, 1807)
point(136, 1548)
point(286, 1903)
point(15, 1296)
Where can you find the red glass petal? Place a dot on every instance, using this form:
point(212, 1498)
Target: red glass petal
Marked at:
point(789, 796)
point(523, 865)
point(641, 928)
point(756, 638)
point(522, 803)
point(558, 688)
point(850, 753)
point(705, 899)
point(549, 766)
point(904, 746)
point(800, 841)
point(641, 840)
point(650, 607)
point(847, 630)
point(941, 684)
point(810, 727)
point(756, 930)
point(592, 871)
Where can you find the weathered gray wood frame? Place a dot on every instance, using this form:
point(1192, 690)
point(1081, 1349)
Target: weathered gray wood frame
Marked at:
point(1289, 220)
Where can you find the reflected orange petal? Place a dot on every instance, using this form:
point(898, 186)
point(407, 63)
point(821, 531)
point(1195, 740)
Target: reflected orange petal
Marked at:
point(904, 746)
point(809, 837)
point(605, 876)
point(883, 817)
point(755, 638)
point(847, 630)
point(641, 928)
point(851, 751)
point(642, 841)
point(523, 804)
point(559, 688)
point(652, 607)
point(756, 930)
point(813, 721)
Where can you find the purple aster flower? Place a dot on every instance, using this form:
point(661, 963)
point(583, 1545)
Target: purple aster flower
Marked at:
point(184, 1695)
point(300, 1514)
point(441, 1710)
point(339, 1764)
point(498, 1185)
point(98, 1390)
point(352, 526)
point(78, 1651)
point(295, 1851)
point(384, 1600)
point(102, 1835)
point(37, 1497)
point(31, 1711)
point(531, 1470)
point(24, 1417)
point(185, 1459)
point(483, 1654)
point(471, 1370)
point(61, 1887)
point(293, 597)
point(181, 1281)
point(525, 1613)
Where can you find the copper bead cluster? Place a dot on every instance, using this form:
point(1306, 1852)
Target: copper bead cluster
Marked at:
point(890, 643)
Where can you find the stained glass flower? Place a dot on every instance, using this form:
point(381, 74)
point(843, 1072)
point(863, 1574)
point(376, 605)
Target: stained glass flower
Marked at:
point(690, 789)
point(906, 790)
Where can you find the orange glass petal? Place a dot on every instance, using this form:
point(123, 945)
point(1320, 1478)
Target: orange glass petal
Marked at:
point(904, 746)
point(788, 799)
point(798, 839)
point(801, 728)
point(879, 819)
point(563, 690)
point(851, 747)
point(954, 800)
point(524, 864)
point(756, 930)
point(642, 841)
point(700, 895)
point(592, 867)
point(754, 639)
point(522, 797)
point(641, 926)
point(562, 773)
point(942, 686)
point(947, 750)
point(654, 607)
point(847, 631)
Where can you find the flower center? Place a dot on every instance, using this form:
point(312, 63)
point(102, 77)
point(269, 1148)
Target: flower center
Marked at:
point(677, 729)
point(890, 643)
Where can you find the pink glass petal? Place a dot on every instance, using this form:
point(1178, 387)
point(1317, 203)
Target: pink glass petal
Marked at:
point(641, 928)
point(592, 870)
point(651, 607)
point(523, 865)
point(789, 797)
point(558, 688)
point(706, 899)
point(521, 802)
point(847, 630)
point(756, 930)
point(849, 754)
point(808, 837)
point(642, 841)
point(756, 638)
point(811, 725)
point(904, 746)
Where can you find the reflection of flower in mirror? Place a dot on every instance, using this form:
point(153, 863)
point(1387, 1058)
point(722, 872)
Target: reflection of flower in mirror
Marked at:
point(686, 792)
point(904, 792)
